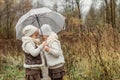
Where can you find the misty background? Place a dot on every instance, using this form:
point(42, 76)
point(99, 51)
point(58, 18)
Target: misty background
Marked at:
point(90, 42)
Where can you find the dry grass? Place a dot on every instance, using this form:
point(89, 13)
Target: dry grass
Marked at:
point(11, 67)
point(11, 60)
point(90, 54)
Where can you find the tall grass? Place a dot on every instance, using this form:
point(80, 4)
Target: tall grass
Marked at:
point(91, 53)
point(11, 67)
point(11, 61)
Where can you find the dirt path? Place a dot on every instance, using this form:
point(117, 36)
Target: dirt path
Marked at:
point(45, 74)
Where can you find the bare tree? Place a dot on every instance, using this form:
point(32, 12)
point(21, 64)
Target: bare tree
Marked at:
point(7, 8)
point(78, 6)
point(10, 12)
point(107, 12)
point(111, 12)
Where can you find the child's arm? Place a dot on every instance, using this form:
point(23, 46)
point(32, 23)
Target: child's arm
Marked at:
point(32, 50)
point(55, 49)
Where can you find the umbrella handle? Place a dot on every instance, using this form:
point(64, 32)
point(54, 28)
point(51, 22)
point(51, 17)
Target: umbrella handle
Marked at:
point(38, 23)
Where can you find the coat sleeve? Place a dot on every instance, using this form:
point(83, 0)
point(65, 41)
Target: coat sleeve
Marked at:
point(32, 50)
point(55, 49)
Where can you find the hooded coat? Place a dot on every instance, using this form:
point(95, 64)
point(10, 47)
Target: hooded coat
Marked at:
point(29, 47)
point(54, 58)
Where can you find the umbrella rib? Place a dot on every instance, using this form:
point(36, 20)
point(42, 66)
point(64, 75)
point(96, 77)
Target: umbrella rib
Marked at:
point(33, 21)
point(50, 19)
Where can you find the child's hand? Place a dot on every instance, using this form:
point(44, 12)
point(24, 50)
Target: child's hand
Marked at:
point(44, 44)
point(46, 48)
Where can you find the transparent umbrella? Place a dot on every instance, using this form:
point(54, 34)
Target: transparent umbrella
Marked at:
point(40, 16)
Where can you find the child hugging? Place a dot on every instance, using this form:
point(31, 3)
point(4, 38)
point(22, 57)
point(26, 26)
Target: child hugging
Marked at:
point(33, 56)
point(52, 53)
point(48, 53)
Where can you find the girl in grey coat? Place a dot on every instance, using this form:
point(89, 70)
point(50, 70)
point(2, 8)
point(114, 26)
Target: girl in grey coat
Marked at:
point(53, 53)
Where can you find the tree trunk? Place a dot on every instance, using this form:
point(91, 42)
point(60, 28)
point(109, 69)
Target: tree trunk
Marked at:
point(78, 6)
point(72, 5)
point(107, 12)
point(7, 5)
point(113, 14)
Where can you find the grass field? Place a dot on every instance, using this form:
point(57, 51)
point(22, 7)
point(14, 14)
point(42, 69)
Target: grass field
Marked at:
point(89, 55)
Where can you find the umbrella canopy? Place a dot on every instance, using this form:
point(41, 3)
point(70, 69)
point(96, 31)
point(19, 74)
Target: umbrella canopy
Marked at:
point(40, 16)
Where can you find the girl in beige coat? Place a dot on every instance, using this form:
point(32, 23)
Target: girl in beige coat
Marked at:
point(33, 56)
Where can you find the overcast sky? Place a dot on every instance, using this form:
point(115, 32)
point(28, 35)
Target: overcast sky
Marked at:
point(50, 3)
point(85, 5)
